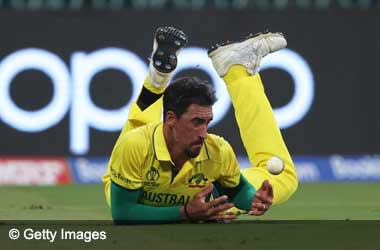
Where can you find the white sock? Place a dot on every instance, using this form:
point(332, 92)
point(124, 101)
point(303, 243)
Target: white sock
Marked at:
point(158, 79)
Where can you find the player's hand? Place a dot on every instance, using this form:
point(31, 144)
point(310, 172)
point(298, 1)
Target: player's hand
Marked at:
point(262, 200)
point(200, 210)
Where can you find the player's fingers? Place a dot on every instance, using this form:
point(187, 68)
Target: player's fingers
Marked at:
point(215, 210)
point(260, 206)
point(270, 190)
point(264, 185)
point(258, 195)
point(218, 201)
point(224, 217)
point(204, 192)
point(256, 212)
point(263, 197)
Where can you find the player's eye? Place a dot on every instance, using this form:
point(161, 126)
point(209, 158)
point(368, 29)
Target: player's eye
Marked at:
point(198, 121)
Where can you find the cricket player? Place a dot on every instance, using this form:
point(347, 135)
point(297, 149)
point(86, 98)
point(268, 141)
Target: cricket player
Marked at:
point(163, 172)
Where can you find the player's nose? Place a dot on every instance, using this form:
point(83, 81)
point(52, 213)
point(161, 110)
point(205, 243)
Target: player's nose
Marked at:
point(203, 133)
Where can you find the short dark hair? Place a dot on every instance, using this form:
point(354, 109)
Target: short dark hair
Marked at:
point(183, 92)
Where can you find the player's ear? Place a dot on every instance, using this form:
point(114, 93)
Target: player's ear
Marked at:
point(170, 118)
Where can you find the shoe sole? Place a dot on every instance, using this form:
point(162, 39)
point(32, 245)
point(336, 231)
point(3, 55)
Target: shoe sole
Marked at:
point(225, 45)
point(169, 40)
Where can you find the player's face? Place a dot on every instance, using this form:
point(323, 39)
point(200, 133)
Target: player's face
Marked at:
point(190, 130)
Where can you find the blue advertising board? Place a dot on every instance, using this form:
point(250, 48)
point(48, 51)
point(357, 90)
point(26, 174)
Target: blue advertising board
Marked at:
point(334, 168)
point(88, 170)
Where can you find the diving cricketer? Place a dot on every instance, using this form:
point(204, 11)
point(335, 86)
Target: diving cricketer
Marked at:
point(161, 172)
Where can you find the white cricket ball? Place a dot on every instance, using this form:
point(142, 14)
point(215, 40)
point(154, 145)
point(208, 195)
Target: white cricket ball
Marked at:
point(275, 165)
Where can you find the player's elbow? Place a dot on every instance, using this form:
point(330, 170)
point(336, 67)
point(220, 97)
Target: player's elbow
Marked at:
point(122, 217)
point(118, 216)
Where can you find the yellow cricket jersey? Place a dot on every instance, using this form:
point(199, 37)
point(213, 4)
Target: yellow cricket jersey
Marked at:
point(140, 159)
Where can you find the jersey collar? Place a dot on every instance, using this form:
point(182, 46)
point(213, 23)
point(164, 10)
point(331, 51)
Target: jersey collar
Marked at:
point(161, 150)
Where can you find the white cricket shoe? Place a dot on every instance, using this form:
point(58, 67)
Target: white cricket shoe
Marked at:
point(247, 53)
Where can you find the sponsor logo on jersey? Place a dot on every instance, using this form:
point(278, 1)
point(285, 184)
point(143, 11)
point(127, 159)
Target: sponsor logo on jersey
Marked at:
point(119, 176)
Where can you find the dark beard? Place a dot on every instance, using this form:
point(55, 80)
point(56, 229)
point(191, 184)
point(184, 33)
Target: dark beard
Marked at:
point(191, 154)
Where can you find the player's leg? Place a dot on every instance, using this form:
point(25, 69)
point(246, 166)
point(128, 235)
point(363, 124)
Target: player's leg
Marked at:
point(237, 63)
point(168, 41)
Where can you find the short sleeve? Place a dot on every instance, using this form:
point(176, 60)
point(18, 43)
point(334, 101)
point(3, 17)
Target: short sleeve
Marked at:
point(230, 172)
point(127, 160)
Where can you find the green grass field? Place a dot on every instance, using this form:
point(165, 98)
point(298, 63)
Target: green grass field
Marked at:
point(343, 216)
point(330, 201)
